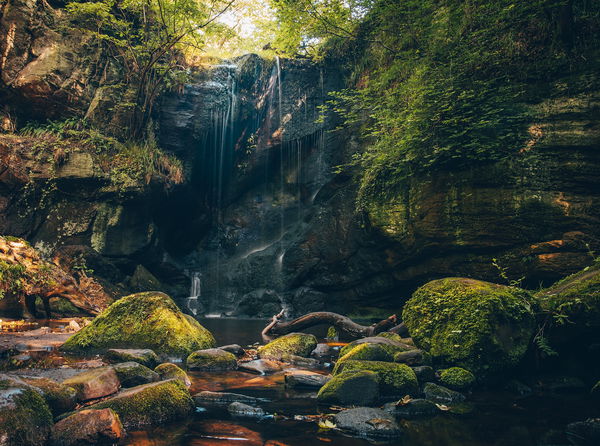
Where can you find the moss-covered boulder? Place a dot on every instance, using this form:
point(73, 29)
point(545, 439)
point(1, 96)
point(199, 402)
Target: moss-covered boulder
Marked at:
point(392, 346)
point(59, 397)
point(367, 352)
point(25, 418)
point(577, 300)
point(144, 320)
point(132, 374)
point(154, 403)
point(457, 378)
point(480, 326)
point(353, 387)
point(389, 335)
point(296, 344)
point(211, 360)
point(168, 370)
point(394, 379)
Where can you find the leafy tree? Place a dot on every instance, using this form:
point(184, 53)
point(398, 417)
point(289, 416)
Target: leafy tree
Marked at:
point(149, 38)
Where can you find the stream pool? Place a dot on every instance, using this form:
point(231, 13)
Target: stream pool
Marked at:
point(495, 418)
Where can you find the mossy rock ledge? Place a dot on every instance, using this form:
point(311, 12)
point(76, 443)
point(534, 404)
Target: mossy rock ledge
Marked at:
point(576, 297)
point(298, 344)
point(484, 327)
point(144, 320)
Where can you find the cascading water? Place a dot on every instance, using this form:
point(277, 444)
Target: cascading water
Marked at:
point(195, 292)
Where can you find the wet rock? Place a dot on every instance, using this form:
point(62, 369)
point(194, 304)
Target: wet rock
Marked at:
point(304, 378)
point(132, 374)
point(367, 422)
point(356, 387)
point(321, 351)
point(148, 320)
point(142, 356)
point(208, 398)
point(412, 357)
point(394, 379)
point(168, 370)
point(154, 403)
point(211, 360)
point(456, 378)
point(518, 388)
point(297, 344)
point(300, 361)
point(584, 433)
point(442, 395)
point(25, 418)
point(60, 398)
point(412, 409)
point(561, 384)
point(390, 345)
point(261, 366)
point(94, 383)
point(235, 349)
point(88, 427)
point(424, 373)
point(242, 410)
point(481, 326)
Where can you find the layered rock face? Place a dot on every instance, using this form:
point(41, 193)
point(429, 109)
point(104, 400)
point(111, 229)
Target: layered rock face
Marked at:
point(262, 220)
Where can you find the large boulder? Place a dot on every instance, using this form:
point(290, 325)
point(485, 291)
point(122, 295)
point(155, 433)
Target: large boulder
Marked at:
point(154, 403)
point(211, 360)
point(481, 326)
point(577, 300)
point(25, 418)
point(355, 387)
point(88, 427)
point(293, 344)
point(145, 320)
point(94, 383)
point(394, 379)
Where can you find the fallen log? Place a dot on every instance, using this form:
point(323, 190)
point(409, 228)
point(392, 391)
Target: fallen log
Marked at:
point(342, 323)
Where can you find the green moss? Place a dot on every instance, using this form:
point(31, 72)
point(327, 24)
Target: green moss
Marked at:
point(60, 398)
point(154, 403)
point(393, 336)
point(359, 387)
point(391, 348)
point(575, 300)
point(299, 344)
point(367, 352)
point(457, 378)
point(171, 371)
point(25, 418)
point(144, 320)
point(213, 359)
point(477, 325)
point(394, 379)
point(133, 374)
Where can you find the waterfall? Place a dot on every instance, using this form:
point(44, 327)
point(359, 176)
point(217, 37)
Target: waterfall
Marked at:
point(195, 291)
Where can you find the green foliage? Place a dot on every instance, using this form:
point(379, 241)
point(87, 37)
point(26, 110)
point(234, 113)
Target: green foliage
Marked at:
point(440, 84)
